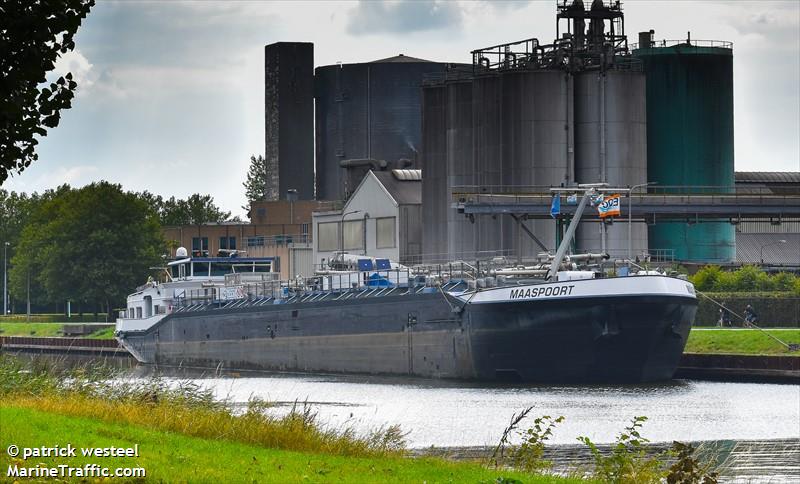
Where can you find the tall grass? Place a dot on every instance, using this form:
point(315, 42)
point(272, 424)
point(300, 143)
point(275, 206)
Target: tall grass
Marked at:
point(184, 408)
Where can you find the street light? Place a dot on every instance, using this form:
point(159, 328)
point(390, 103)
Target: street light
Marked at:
point(5, 277)
point(782, 241)
point(341, 230)
point(630, 204)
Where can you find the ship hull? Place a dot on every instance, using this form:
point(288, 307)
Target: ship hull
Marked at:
point(614, 338)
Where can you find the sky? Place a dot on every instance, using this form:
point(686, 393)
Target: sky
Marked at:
point(171, 93)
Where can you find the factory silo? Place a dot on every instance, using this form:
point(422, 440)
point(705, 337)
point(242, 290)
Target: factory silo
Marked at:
point(461, 237)
point(368, 111)
point(611, 147)
point(433, 160)
point(536, 118)
point(492, 234)
point(690, 138)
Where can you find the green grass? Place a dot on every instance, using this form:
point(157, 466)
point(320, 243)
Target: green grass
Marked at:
point(185, 435)
point(107, 333)
point(172, 457)
point(42, 330)
point(742, 341)
point(31, 329)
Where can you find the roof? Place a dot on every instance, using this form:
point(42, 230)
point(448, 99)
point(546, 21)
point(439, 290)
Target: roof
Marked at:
point(768, 177)
point(404, 192)
point(407, 175)
point(749, 248)
point(399, 58)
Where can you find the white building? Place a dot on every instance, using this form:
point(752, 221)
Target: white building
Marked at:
point(382, 219)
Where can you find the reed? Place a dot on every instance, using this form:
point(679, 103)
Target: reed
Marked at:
point(184, 408)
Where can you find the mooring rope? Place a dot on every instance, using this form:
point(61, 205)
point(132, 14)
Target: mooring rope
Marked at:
point(790, 347)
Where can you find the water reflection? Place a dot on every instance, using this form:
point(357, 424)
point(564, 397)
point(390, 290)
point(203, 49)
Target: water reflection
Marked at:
point(448, 413)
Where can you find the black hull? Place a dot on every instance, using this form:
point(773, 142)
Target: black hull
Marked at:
point(600, 339)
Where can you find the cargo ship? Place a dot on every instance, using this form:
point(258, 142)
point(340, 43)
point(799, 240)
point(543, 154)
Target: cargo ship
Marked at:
point(373, 316)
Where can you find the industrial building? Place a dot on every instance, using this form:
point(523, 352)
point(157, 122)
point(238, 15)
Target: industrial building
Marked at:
point(368, 116)
point(654, 118)
point(289, 119)
point(587, 108)
point(381, 219)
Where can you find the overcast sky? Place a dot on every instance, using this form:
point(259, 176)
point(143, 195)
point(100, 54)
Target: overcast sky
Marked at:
point(171, 94)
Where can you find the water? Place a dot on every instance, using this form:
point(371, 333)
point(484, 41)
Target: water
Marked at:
point(448, 414)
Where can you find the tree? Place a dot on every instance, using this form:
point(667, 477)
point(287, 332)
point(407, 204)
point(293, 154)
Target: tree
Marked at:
point(257, 187)
point(195, 210)
point(16, 210)
point(92, 245)
point(33, 33)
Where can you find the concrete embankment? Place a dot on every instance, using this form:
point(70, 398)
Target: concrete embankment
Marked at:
point(734, 460)
point(63, 346)
point(754, 368)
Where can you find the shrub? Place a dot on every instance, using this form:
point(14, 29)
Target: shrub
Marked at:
point(706, 278)
point(628, 461)
point(687, 468)
point(748, 278)
point(784, 281)
point(528, 454)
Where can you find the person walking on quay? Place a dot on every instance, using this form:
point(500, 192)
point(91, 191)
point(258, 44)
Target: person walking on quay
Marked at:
point(750, 315)
point(724, 317)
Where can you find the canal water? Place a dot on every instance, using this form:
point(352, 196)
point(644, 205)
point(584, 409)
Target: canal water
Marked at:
point(457, 414)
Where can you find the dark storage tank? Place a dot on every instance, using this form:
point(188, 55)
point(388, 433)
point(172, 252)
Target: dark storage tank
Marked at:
point(487, 124)
point(536, 144)
point(434, 170)
point(460, 241)
point(611, 147)
point(367, 111)
point(690, 137)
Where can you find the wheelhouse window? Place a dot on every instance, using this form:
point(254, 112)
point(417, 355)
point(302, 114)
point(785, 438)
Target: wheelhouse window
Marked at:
point(200, 269)
point(220, 268)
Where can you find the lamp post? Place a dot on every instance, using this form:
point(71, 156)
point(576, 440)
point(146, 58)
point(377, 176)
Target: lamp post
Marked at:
point(341, 229)
point(630, 205)
point(5, 277)
point(782, 241)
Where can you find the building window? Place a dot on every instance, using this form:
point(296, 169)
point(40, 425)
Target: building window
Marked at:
point(199, 246)
point(328, 236)
point(385, 232)
point(353, 234)
point(255, 241)
point(227, 243)
point(138, 312)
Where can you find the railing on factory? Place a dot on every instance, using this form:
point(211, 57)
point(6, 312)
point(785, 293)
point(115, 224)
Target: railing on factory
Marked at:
point(725, 44)
point(541, 190)
point(276, 240)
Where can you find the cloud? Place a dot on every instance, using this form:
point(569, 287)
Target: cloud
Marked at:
point(370, 17)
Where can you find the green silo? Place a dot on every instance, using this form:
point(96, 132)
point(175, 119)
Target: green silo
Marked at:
point(690, 138)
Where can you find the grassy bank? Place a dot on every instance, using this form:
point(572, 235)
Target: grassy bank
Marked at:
point(741, 341)
point(184, 435)
point(43, 330)
point(175, 457)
